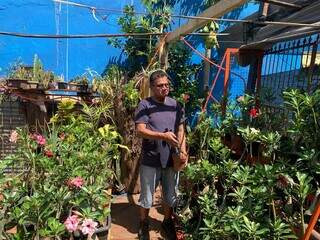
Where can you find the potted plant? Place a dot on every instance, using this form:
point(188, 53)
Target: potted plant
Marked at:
point(80, 83)
point(61, 190)
point(18, 76)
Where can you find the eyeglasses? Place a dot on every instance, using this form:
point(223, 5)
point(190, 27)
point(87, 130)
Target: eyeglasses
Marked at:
point(166, 85)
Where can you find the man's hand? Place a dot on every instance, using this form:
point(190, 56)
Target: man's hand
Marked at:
point(183, 157)
point(171, 138)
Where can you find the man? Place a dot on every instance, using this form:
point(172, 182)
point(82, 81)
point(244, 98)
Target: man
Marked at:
point(160, 122)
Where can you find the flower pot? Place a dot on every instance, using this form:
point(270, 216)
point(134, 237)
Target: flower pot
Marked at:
point(33, 85)
point(83, 88)
point(62, 85)
point(17, 83)
point(73, 87)
point(237, 145)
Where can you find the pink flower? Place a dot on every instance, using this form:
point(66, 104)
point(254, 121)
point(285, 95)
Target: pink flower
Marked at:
point(13, 137)
point(71, 223)
point(240, 99)
point(76, 182)
point(88, 226)
point(39, 139)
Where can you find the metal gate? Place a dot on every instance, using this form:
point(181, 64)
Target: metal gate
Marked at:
point(292, 64)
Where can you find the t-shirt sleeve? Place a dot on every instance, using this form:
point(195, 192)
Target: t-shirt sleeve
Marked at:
point(141, 113)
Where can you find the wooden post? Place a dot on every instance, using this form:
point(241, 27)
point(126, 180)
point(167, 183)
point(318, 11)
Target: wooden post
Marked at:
point(265, 9)
point(163, 56)
point(226, 82)
point(206, 74)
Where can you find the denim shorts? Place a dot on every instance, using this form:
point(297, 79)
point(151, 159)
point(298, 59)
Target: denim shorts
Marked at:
point(149, 180)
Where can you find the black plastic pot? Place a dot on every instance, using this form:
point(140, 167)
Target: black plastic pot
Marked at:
point(62, 85)
point(83, 88)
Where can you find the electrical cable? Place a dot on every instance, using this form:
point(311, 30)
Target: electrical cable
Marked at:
point(16, 34)
point(289, 24)
point(208, 60)
point(27, 35)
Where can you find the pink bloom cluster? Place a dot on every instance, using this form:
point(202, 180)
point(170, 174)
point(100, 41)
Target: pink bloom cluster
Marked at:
point(13, 137)
point(39, 139)
point(76, 182)
point(87, 227)
point(72, 223)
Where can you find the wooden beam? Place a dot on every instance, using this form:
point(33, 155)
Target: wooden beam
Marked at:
point(265, 9)
point(216, 10)
point(281, 3)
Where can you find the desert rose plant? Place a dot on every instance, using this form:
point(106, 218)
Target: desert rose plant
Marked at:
point(58, 189)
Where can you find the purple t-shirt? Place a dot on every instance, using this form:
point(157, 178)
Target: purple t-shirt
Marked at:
point(159, 117)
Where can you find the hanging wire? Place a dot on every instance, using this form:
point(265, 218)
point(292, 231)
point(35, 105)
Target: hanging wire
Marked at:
point(67, 46)
point(27, 35)
point(57, 11)
point(117, 11)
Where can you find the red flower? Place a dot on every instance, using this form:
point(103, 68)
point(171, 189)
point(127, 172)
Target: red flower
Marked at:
point(48, 153)
point(254, 112)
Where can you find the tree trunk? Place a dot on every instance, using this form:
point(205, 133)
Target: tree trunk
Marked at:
point(130, 162)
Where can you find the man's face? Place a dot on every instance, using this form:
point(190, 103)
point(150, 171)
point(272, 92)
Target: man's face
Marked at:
point(160, 87)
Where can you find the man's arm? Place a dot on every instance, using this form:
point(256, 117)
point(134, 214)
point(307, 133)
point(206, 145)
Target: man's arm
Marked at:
point(181, 135)
point(144, 132)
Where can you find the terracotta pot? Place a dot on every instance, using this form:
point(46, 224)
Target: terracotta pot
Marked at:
point(237, 145)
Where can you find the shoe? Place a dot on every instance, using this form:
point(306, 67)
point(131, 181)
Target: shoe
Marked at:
point(169, 229)
point(143, 233)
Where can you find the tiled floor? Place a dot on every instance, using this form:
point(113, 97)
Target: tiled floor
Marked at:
point(125, 218)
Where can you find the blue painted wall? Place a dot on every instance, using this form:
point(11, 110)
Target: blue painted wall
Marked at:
point(237, 85)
